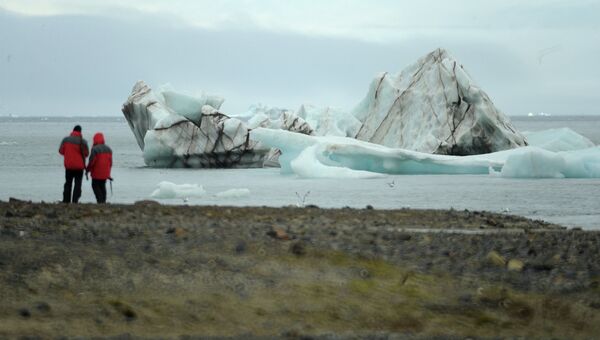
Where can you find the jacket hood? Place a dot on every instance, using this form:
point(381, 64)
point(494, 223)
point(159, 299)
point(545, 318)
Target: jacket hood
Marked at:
point(98, 138)
point(75, 133)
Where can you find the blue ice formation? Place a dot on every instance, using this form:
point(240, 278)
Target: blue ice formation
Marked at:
point(430, 118)
point(341, 157)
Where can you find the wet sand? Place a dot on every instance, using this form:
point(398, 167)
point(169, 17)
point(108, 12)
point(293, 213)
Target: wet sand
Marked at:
point(148, 270)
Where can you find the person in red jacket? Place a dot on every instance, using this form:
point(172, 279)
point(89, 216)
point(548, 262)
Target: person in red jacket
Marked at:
point(100, 165)
point(74, 149)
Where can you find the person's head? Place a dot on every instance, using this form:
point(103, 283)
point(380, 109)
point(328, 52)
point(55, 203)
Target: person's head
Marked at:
point(77, 128)
point(98, 138)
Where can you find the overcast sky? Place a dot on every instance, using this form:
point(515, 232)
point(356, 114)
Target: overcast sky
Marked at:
point(67, 57)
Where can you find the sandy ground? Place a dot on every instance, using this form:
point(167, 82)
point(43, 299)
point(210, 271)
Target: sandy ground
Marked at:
point(153, 271)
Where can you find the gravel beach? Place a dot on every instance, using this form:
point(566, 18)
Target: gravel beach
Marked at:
point(158, 271)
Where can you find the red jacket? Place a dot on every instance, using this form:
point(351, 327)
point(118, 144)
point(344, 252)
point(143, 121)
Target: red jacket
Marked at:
point(100, 159)
point(75, 149)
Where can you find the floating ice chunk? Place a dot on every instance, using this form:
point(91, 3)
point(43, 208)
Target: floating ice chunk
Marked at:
point(177, 130)
point(7, 143)
point(563, 139)
point(169, 190)
point(311, 156)
point(533, 162)
point(307, 165)
point(358, 155)
point(234, 193)
point(582, 163)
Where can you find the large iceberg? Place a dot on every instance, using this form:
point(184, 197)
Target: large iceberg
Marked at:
point(178, 130)
point(340, 157)
point(417, 121)
point(434, 106)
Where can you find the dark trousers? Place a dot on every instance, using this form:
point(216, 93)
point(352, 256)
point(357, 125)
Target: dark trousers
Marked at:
point(99, 187)
point(71, 175)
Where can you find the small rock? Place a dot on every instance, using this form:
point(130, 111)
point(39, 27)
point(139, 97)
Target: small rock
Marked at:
point(298, 249)
point(42, 307)
point(9, 214)
point(404, 237)
point(25, 313)
point(279, 234)
point(515, 265)
point(496, 259)
point(369, 207)
point(125, 310)
point(491, 222)
point(240, 247)
point(177, 231)
point(465, 298)
point(541, 266)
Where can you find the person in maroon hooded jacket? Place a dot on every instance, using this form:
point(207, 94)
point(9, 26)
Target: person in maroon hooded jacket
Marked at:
point(99, 165)
point(75, 149)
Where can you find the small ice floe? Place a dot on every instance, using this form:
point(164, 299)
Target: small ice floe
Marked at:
point(168, 190)
point(234, 193)
point(392, 184)
point(2, 143)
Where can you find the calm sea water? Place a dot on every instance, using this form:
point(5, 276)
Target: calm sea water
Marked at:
point(31, 168)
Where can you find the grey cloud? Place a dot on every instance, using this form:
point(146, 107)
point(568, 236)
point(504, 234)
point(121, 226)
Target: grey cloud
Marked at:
point(87, 64)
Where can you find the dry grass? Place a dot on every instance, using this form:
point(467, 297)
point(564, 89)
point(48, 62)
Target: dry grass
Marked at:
point(131, 273)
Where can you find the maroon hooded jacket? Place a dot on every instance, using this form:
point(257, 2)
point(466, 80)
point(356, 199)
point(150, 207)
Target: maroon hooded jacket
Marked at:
point(75, 149)
point(100, 159)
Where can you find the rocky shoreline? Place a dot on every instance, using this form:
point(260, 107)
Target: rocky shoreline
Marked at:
point(149, 270)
